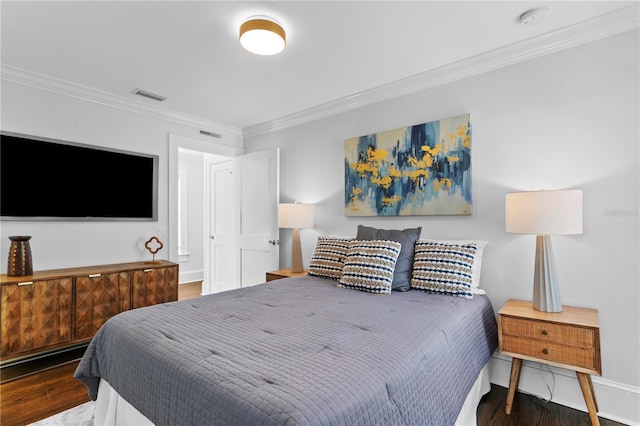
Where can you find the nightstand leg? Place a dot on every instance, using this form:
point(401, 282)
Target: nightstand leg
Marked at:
point(589, 397)
point(593, 394)
point(516, 365)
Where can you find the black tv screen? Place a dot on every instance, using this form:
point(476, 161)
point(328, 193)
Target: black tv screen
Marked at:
point(47, 179)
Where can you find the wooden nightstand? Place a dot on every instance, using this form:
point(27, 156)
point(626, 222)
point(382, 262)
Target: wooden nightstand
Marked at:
point(568, 339)
point(283, 273)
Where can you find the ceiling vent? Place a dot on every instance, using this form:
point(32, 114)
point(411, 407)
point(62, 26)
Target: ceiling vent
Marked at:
point(210, 134)
point(149, 95)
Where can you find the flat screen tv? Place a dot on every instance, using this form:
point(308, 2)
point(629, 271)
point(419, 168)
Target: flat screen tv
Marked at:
point(48, 179)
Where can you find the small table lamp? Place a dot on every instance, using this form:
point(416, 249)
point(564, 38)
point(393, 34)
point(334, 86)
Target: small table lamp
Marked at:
point(295, 216)
point(544, 213)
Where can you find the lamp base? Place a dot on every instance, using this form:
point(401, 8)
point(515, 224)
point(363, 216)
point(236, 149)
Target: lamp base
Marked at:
point(546, 295)
point(296, 252)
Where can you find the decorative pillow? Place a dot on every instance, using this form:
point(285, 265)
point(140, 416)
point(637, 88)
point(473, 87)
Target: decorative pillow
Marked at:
point(328, 258)
point(369, 266)
point(444, 268)
point(407, 239)
point(477, 261)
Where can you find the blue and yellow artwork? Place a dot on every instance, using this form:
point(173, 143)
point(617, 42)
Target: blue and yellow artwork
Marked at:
point(412, 171)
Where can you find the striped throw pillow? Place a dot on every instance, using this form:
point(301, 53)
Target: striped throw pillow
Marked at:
point(369, 266)
point(444, 268)
point(328, 258)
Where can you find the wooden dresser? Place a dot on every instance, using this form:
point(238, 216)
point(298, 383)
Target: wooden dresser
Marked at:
point(55, 309)
point(568, 339)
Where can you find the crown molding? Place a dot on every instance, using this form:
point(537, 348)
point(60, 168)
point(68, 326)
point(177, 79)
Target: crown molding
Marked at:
point(63, 87)
point(604, 26)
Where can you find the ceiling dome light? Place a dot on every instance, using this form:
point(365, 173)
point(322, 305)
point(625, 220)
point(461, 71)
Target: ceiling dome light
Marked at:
point(262, 35)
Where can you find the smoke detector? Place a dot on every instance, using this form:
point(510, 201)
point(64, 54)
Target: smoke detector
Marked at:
point(533, 16)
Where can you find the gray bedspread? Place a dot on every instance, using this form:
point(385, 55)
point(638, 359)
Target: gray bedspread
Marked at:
point(297, 351)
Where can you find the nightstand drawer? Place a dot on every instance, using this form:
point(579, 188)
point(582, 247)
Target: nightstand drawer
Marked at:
point(582, 357)
point(564, 334)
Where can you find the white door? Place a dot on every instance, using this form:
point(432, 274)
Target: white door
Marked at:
point(258, 184)
point(222, 224)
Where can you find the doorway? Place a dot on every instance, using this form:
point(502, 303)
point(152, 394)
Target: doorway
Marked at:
point(201, 149)
point(243, 256)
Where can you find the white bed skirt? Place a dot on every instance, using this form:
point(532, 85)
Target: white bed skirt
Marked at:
point(469, 413)
point(112, 409)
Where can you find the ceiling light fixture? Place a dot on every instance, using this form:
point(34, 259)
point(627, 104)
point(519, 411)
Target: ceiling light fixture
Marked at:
point(262, 35)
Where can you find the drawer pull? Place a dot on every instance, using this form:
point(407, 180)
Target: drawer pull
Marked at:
point(544, 332)
point(545, 351)
point(147, 270)
point(26, 283)
point(94, 275)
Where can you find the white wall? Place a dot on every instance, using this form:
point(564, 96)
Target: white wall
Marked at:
point(566, 120)
point(47, 112)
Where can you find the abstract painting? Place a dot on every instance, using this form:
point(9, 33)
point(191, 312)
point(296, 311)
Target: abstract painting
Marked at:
point(418, 170)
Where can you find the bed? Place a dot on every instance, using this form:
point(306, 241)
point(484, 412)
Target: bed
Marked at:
point(297, 351)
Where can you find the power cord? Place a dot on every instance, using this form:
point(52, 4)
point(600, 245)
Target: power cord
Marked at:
point(550, 387)
point(553, 381)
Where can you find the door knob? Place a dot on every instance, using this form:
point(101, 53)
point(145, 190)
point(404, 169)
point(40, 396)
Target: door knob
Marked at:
point(212, 237)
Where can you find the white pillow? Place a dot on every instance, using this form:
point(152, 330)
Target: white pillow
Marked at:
point(477, 261)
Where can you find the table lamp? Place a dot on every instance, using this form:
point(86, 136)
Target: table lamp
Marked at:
point(544, 213)
point(295, 216)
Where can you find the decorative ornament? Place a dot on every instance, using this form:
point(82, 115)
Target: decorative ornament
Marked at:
point(153, 245)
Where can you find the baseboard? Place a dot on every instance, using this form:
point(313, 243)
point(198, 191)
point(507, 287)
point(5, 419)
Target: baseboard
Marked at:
point(616, 401)
point(190, 276)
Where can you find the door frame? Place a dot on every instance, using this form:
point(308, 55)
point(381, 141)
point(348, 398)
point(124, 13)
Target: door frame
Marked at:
point(175, 143)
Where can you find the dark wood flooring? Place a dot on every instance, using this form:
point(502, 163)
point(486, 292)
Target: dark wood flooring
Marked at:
point(31, 395)
point(43, 393)
point(529, 410)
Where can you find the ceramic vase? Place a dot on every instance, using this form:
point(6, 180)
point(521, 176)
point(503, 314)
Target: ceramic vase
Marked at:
point(20, 263)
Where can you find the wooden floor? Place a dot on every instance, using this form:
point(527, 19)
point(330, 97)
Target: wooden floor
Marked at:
point(529, 410)
point(32, 397)
point(189, 290)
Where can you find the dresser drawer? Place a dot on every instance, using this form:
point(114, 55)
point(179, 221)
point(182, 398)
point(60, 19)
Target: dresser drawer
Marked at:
point(545, 331)
point(575, 356)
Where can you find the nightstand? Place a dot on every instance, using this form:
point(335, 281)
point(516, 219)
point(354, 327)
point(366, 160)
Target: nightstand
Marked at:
point(283, 273)
point(568, 339)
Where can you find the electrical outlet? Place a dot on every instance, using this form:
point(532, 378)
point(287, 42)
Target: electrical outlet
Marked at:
point(161, 231)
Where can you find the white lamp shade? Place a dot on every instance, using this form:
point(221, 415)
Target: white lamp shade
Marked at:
point(262, 35)
point(295, 215)
point(544, 212)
